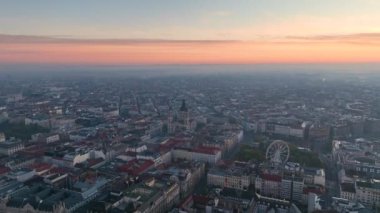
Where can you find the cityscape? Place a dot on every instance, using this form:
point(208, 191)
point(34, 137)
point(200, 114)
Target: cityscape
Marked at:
point(189, 143)
point(201, 106)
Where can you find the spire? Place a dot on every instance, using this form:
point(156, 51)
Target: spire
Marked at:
point(183, 106)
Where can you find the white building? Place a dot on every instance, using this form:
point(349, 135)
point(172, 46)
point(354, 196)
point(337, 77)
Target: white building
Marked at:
point(286, 188)
point(52, 138)
point(348, 191)
point(72, 159)
point(315, 176)
point(234, 180)
point(201, 154)
point(313, 203)
point(137, 148)
point(368, 193)
point(11, 147)
point(22, 175)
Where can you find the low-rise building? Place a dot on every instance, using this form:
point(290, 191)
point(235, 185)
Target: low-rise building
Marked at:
point(268, 185)
point(202, 154)
point(230, 178)
point(10, 147)
point(348, 191)
point(292, 193)
point(152, 196)
point(368, 192)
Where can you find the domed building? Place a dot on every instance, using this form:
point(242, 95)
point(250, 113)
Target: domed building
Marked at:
point(180, 121)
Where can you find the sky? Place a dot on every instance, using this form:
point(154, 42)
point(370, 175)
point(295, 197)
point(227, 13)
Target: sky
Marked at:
point(119, 32)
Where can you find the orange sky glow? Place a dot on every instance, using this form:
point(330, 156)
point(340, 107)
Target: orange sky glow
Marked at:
point(354, 48)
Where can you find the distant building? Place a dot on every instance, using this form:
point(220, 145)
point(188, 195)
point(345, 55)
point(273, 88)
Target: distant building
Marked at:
point(313, 203)
point(10, 147)
point(287, 192)
point(151, 196)
point(268, 185)
point(181, 121)
point(229, 178)
point(315, 176)
point(342, 205)
point(368, 192)
point(22, 175)
point(2, 137)
point(348, 191)
point(202, 154)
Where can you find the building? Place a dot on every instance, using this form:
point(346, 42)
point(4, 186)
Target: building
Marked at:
point(313, 203)
point(152, 196)
point(368, 193)
point(40, 198)
point(22, 175)
point(289, 193)
point(73, 158)
point(2, 137)
point(52, 138)
point(9, 186)
point(348, 191)
point(342, 205)
point(314, 176)
point(136, 167)
point(202, 154)
point(180, 121)
point(229, 178)
point(268, 185)
point(10, 147)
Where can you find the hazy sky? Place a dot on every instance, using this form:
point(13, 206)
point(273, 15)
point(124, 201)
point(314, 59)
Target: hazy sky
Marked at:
point(195, 31)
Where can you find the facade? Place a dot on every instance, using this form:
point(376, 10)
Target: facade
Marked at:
point(348, 191)
point(368, 193)
point(22, 175)
point(153, 197)
point(201, 154)
point(2, 137)
point(315, 176)
point(313, 203)
point(268, 185)
point(10, 147)
point(74, 158)
point(181, 121)
point(286, 188)
point(216, 177)
point(52, 138)
point(342, 205)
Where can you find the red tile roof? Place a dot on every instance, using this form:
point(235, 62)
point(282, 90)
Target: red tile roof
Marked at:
point(315, 190)
point(40, 166)
point(4, 170)
point(199, 199)
point(206, 150)
point(270, 177)
point(92, 162)
point(136, 167)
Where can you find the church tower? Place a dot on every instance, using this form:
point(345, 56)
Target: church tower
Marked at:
point(171, 125)
point(183, 115)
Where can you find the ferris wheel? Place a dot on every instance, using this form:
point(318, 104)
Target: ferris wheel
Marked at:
point(278, 152)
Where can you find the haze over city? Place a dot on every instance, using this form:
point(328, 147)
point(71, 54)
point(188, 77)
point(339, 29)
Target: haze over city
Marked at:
point(173, 106)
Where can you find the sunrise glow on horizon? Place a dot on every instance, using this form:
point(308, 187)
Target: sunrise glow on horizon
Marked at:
point(227, 32)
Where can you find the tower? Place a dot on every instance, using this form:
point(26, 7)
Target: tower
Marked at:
point(171, 125)
point(183, 114)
